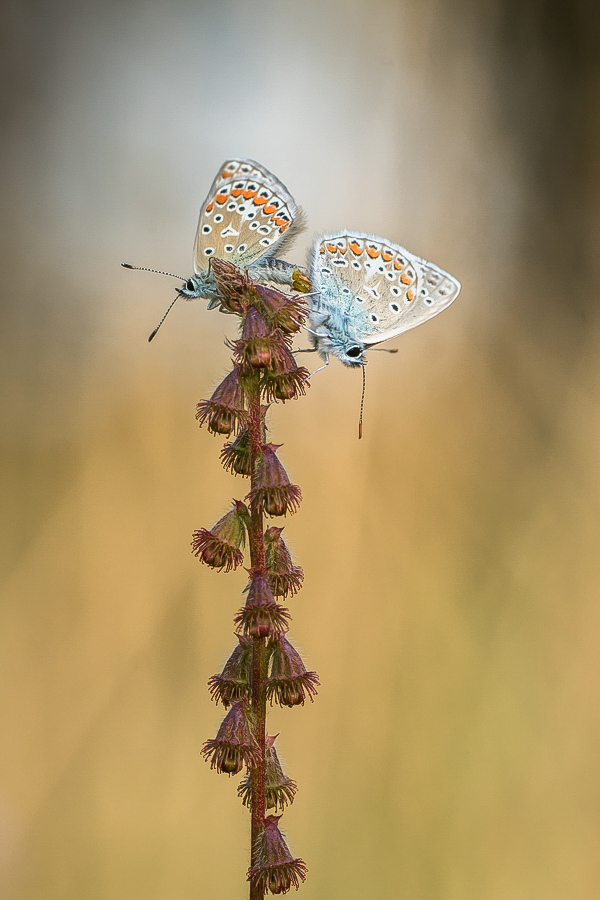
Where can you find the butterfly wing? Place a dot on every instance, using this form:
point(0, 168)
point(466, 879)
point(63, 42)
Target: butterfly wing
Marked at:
point(379, 288)
point(247, 217)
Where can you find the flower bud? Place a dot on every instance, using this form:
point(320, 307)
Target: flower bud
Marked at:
point(233, 684)
point(232, 285)
point(259, 347)
point(287, 380)
point(280, 310)
point(224, 412)
point(279, 789)
point(261, 616)
point(284, 577)
point(235, 456)
point(289, 683)
point(220, 547)
point(275, 870)
point(234, 746)
point(273, 494)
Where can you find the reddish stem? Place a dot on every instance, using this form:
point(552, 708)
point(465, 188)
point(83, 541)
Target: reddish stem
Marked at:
point(259, 659)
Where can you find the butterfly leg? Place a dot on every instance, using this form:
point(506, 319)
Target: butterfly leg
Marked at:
point(320, 369)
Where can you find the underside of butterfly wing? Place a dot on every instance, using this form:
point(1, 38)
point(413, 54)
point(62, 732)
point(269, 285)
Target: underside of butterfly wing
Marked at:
point(379, 288)
point(247, 217)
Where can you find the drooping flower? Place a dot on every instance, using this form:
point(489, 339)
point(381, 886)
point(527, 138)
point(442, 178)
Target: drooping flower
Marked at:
point(235, 456)
point(289, 684)
point(286, 380)
point(232, 285)
point(284, 577)
point(233, 684)
point(275, 870)
point(273, 493)
point(259, 346)
point(225, 411)
point(261, 616)
point(280, 310)
point(220, 547)
point(234, 746)
point(279, 789)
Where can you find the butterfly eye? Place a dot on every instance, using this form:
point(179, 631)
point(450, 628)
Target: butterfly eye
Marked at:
point(190, 286)
point(354, 352)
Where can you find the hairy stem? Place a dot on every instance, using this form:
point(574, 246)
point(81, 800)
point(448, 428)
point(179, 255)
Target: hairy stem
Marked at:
point(259, 660)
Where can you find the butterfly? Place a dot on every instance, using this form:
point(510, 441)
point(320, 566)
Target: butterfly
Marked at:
point(368, 290)
point(247, 218)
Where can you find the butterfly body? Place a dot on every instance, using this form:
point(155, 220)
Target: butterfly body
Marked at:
point(369, 290)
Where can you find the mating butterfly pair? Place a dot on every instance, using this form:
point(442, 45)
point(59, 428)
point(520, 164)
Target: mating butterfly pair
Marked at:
point(366, 289)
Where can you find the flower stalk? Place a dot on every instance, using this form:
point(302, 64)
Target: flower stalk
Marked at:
point(264, 667)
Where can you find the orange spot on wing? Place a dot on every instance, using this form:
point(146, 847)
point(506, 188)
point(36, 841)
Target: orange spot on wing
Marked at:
point(355, 248)
point(405, 279)
point(373, 252)
point(270, 208)
point(397, 265)
point(331, 247)
point(209, 207)
point(259, 201)
point(321, 249)
point(279, 220)
point(410, 295)
point(249, 193)
point(386, 255)
point(235, 192)
point(284, 227)
point(221, 198)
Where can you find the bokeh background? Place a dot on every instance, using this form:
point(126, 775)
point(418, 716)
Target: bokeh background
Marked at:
point(451, 600)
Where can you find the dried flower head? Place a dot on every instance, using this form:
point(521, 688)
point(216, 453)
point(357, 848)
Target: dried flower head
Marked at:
point(273, 494)
point(279, 789)
point(259, 346)
point(232, 285)
point(235, 456)
point(289, 683)
point(261, 616)
point(220, 547)
point(234, 746)
point(233, 684)
point(225, 411)
point(275, 870)
point(284, 577)
point(280, 310)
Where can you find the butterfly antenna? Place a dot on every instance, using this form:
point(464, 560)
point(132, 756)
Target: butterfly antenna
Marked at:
point(164, 317)
point(384, 349)
point(156, 271)
point(362, 403)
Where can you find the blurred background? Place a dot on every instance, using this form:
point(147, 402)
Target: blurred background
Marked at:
point(451, 603)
